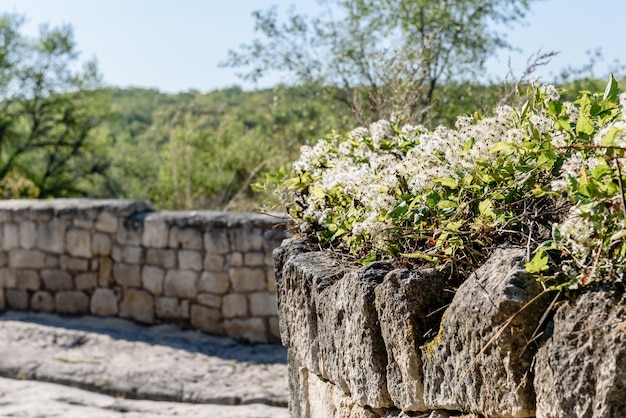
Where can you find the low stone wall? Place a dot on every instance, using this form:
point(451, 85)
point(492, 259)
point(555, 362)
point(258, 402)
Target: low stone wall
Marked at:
point(208, 270)
point(380, 341)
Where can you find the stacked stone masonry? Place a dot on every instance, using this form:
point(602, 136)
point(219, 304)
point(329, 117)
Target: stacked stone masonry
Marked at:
point(383, 341)
point(211, 271)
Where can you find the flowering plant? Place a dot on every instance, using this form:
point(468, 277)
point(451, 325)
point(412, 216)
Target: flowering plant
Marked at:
point(547, 175)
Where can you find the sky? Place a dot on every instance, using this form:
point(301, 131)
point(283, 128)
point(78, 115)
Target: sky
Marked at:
point(176, 45)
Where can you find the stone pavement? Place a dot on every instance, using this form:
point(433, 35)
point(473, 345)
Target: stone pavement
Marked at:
point(145, 371)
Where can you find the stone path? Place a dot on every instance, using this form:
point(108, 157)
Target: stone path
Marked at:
point(176, 373)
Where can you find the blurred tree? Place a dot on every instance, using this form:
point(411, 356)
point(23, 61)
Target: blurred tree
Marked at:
point(381, 58)
point(48, 111)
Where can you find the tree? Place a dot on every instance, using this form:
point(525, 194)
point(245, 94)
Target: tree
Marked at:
point(381, 58)
point(48, 113)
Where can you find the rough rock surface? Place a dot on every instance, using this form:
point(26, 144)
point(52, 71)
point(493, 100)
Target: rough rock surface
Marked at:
point(581, 370)
point(495, 382)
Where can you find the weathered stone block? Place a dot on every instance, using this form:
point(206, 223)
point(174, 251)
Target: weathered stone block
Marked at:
point(216, 241)
point(83, 223)
point(180, 284)
point(10, 236)
point(351, 344)
point(52, 261)
point(172, 308)
point(78, 243)
point(218, 283)
point(138, 305)
point(33, 259)
point(172, 241)
point(161, 258)
point(250, 329)
point(117, 253)
point(74, 264)
point(101, 244)
point(71, 302)
point(105, 270)
point(57, 280)
point(129, 232)
point(42, 301)
point(8, 277)
point(106, 222)
point(190, 238)
point(28, 234)
point(409, 306)
point(152, 279)
point(104, 302)
point(4, 259)
point(254, 259)
point(190, 260)
point(462, 372)
point(86, 281)
point(132, 255)
point(127, 275)
point(214, 262)
point(234, 259)
point(581, 369)
point(206, 319)
point(17, 299)
point(155, 232)
point(210, 300)
point(28, 279)
point(326, 400)
point(262, 304)
point(234, 305)
point(51, 237)
point(247, 279)
point(246, 239)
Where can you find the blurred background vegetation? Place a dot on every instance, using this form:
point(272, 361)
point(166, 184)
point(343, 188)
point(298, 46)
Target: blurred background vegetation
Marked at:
point(64, 134)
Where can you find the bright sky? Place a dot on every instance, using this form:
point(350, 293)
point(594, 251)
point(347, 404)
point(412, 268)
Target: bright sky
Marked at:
point(176, 45)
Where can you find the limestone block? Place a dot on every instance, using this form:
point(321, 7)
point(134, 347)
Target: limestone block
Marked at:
point(262, 304)
point(51, 237)
point(190, 260)
point(51, 261)
point(248, 329)
point(4, 259)
point(206, 319)
point(161, 258)
point(247, 279)
point(86, 281)
point(409, 310)
point(104, 302)
point(172, 308)
point(106, 222)
point(246, 239)
point(78, 243)
point(55, 280)
point(138, 305)
point(117, 253)
point(105, 270)
point(129, 232)
point(180, 284)
point(173, 237)
point(16, 299)
point(234, 305)
point(101, 244)
point(83, 223)
point(326, 400)
point(213, 262)
point(494, 382)
point(216, 241)
point(28, 234)
point(8, 277)
point(210, 300)
point(42, 301)
point(132, 255)
point(190, 238)
point(33, 259)
point(74, 264)
point(269, 260)
point(581, 370)
point(10, 236)
point(256, 259)
point(28, 279)
point(234, 259)
point(155, 232)
point(351, 344)
point(218, 283)
point(2, 300)
point(152, 279)
point(71, 302)
point(127, 275)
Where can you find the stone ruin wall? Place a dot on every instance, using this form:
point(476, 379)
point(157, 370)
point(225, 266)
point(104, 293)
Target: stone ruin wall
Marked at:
point(211, 271)
point(382, 341)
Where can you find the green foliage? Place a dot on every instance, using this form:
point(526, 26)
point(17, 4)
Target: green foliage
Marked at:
point(547, 175)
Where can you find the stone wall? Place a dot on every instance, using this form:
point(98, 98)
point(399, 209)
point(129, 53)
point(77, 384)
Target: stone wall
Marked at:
point(382, 341)
point(208, 270)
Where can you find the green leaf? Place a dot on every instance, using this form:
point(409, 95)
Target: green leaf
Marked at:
point(611, 91)
point(447, 204)
point(501, 146)
point(447, 182)
point(539, 262)
point(318, 192)
point(469, 144)
point(584, 126)
point(608, 140)
point(421, 256)
point(486, 208)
